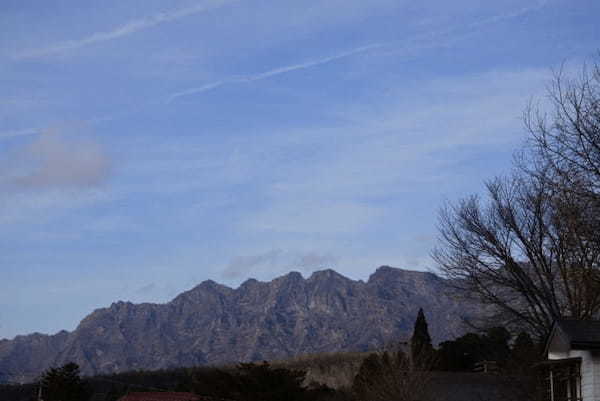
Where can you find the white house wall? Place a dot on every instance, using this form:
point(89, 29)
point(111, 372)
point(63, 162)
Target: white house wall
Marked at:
point(595, 362)
point(590, 374)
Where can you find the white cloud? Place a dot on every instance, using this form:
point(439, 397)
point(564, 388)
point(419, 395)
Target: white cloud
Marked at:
point(56, 160)
point(51, 173)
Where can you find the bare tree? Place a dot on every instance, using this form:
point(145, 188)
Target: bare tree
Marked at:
point(566, 140)
point(531, 247)
point(564, 145)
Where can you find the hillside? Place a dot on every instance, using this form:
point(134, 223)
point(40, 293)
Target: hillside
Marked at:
point(212, 324)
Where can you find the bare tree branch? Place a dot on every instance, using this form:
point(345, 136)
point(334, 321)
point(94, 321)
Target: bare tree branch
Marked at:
point(531, 247)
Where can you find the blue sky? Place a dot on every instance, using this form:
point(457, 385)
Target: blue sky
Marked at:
point(146, 146)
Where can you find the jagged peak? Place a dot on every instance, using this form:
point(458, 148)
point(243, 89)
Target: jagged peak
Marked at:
point(36, 335)
point(204, 287)
point(291, 276)
point(386, 272)
point(327, 274)
point(211, 285)
point(249, 282)
point(120, 304)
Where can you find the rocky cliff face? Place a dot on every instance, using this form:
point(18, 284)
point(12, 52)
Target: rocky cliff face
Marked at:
point(212, 323)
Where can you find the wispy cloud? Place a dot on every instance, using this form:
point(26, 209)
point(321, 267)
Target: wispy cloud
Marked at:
point(277, 261)
point(123, 30)
point(388, 150)
point(271, 73)
point(146, 289)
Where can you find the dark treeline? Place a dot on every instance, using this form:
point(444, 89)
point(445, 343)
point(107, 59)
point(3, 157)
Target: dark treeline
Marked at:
point(418, 371)
point(463, 353)
point(246, 381)
point(402, 372)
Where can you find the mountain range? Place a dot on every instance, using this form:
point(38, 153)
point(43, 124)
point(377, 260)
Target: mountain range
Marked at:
point(215, 324)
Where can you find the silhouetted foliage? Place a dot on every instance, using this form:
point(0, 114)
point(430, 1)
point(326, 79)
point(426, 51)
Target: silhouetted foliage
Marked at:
point(463, 353)
point(258, 382)
point(460, 354)
point(261, 382)
point(63, 384)
point(421, 349)
point(244, 382)
point(524, 354)
point(15, 392)
point(496, 346)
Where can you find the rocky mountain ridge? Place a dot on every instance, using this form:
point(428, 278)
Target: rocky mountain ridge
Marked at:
point(213, 323)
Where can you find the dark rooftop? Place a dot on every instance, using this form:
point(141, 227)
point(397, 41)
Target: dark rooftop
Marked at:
point(582, 334)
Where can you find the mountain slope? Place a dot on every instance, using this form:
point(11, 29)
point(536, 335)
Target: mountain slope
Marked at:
point(212, 323)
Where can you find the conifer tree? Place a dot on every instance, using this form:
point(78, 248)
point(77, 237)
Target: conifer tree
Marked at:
point(524, 353)
point(421, 350)
point(63, 384)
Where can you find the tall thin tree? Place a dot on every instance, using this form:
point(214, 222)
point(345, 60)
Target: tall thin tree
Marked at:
point(421, 349)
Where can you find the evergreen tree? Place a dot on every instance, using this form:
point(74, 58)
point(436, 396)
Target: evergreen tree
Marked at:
point(524, 353)
point(497, 339)
point(63, 384)
point(255, 382)
point(421, 350)
point(462, 353)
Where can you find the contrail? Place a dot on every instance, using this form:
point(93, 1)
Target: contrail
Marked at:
point(282, 70)
point(434, 38)
point(23, 132)
point(270, 73)
point(123, 30)
point(148, 22)
point(496, 18)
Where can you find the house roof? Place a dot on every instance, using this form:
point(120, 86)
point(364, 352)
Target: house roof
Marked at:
point(580, 334)
point(160, 396)
point(465, 386)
